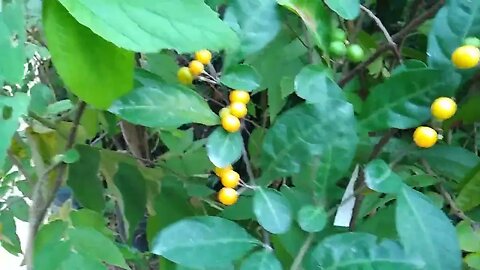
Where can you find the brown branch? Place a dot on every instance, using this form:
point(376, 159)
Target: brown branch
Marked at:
point(413, 25)
point(40, 201)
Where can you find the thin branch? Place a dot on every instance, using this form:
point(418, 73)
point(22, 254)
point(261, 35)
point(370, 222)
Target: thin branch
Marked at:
point(40, 201)
point(297, 262)
point(248, 166)
point(459, 213)
point(387, 35)
point(20, 167)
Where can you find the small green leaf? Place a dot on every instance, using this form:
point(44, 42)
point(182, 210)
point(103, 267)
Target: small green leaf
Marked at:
point(71, 156)
point(177, 140)
point(94, 69)
point(19, 207)
point(164, 106)
point(241, 210)
point(312, 218)
point(224, 148)
point(203, 242)
point(242, 77)
point(272, 210)
point(150, 25)
point(468, 236)
point(41, 97)
point(8, 236)
point(473, 260)
point(415, 218)
point(261, 260)
point(314, 84)
point(347, 9)
point(468, 197)
point(379, 177)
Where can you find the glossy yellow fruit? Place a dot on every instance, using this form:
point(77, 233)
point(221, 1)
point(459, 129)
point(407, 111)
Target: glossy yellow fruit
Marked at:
point(466, 56)
point(220, 171)
point(230, 123)
point(224, 112)
point(443, 108)
point(228, 196)
point(196, 68)
point(238, 109)
point(203, 56)
point(230, 179)
point(425, 137)
point(184, 76)
point(239, 96)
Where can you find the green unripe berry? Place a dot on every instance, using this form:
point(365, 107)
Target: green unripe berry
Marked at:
point(337, 48)
point(338, 35)
point(355, 53)
point(473, 41)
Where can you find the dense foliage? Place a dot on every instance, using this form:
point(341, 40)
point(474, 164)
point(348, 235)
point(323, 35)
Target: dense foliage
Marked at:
point(241, 134)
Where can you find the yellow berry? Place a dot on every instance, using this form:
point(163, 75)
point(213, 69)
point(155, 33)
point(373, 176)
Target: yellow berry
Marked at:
point(184, 75)
point(230, 123)
point(230, 179)
point(196, 68)
point(443, 108)
point(220, 171)
point(239, 96)
point(238, 109)
point(425, 137)
point(466, 56)
point(224, 112)
point(203, 56)
point(228, 196)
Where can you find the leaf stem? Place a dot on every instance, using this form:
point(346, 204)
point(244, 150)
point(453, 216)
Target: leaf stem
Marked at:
point(297, 262)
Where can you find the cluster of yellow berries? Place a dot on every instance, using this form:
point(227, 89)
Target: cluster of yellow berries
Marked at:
point(230, 116)
point(442, 108)
point(468, 55)
point(230, 180)
point(186, 74)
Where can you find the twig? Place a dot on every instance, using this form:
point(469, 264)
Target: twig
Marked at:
point(20, 167)
point(297, 262)
point(248, 166)
point(387, 35)
point(459, 213)
point(40, 204)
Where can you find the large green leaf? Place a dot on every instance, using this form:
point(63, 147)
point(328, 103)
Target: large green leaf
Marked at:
point(272, 210)
point(152, 25)
point(84, 181)
point(51, 257)
point(315, 16)
point(314, 84)
point(457, 20)
point(132, 187)
point(242, 77)
point(224, 148)
point(361, 251)
point(203, 242)
point(256, 23)
point(77, 261)
point(415, 218)
point(469, 198)
point(403, 101)
point(11, 110)
point(347, 9)
point(379, 177)
point(12, 40)
point(306, 132)
point(261, 260)
point(92, 68)
point(164, 105)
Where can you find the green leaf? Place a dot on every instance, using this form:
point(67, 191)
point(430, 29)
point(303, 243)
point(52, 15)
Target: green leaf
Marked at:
point(241, 210)
point(92, 244)
point(312, 218)
point(261, 260)
point(315, 16)
point(403, 101)
point(177, 140)
point(8, 235)
point(256, 23)
point(83, 178)
point(468, 197)
point(164, 106)
point(132, 187)
point(300, 137)
point(381, 224)
point(148, 26)
point(12, 108)
point(314, 84)
point(347, 9)
point(468, 236)
point(415, 218)
point(473, 260)
point(242, 77)
point(272, 210)
point(59, 107)
point(92, 68)
point(164, 64)
point(50, 233)
point(19, 207)
point(361, 251)
point(203, 242)
point(453, 23)
point(224, 148)
point(52, 255)
point(77, 261)
point(379, 177)
point(41, 97)
point(12, 40)
point(86, 218)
